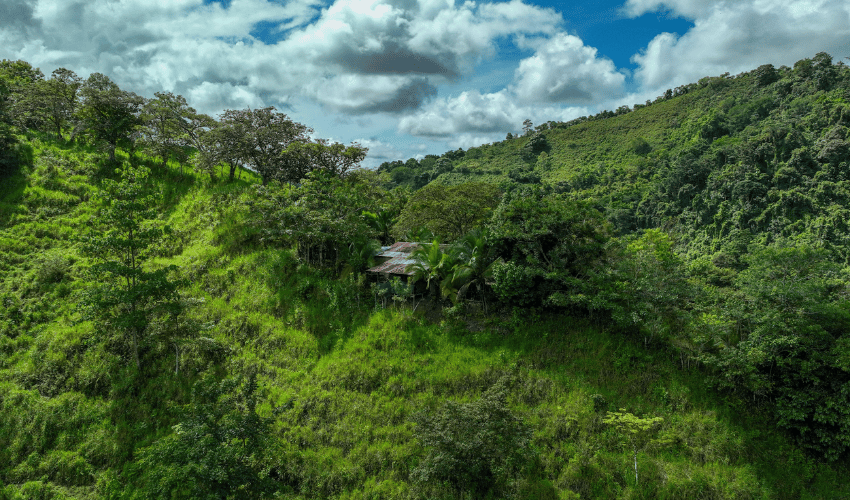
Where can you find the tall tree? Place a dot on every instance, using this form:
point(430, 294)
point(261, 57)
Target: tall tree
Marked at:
point(549, 244)
point(164, 128)
point(222, 448)
point(475, 258)
point(432, 264)
point(266, 134)
point(335, 158)
point(448, 211)
point(108, 113)
point(20, 80)
point(127, 294)
point(8, 156)
point(59, 97)
point(197, 128)
point(322, 215)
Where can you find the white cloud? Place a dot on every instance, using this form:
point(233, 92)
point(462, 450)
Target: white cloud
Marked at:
point(354, 56)
point(371, 93)
point(565, 70)
point(480, 115)
point(687, 8)
point(382, 61)
point(209, 95)
point(739, 36)
point(379, 152)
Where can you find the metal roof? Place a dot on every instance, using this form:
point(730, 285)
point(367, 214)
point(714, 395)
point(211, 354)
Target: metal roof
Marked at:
point(399, 258)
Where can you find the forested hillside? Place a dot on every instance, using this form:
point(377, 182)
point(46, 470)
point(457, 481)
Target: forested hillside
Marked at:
point(649, 303)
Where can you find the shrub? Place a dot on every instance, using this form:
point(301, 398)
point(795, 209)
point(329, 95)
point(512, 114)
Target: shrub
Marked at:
point(478, 448)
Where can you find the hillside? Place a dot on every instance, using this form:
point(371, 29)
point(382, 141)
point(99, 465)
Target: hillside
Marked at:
point(758, 156)
point(261, 370)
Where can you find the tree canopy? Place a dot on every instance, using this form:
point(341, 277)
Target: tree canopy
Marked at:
point(448, 211)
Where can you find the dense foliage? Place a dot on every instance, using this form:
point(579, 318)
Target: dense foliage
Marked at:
point(648, 303)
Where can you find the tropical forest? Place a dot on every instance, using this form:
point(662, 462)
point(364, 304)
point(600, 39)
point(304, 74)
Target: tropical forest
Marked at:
point(646, 303)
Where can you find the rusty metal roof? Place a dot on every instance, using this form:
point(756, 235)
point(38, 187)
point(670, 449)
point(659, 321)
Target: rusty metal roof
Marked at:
point(399, 258)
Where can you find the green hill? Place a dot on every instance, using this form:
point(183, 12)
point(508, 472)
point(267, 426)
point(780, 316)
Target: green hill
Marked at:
point(227, 360)
point(758, 156)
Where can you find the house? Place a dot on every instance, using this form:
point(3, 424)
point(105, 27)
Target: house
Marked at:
point(393, 260)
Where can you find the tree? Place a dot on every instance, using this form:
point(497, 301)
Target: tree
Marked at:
point(637, 432)
point(335, 158)
point(301, 157)
point(432, 264)
point(266, 134)
point(108, 113)
point(448, 211)
point(9, 157)
point(322, 216)
point(220, 449)
point(51, 102)
point(381, 222)
point(216, 142)
point(61, 98)
point(126, 294)
point(527, 125)
point(20, 80)
point(644, 285)
point(790, 344)
point(164, 127)
point(765, 75)
point(475, 448)
point(546, 242)
point(474, 260)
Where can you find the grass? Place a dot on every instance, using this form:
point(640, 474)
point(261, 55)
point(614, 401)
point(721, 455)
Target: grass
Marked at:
point(340, 379)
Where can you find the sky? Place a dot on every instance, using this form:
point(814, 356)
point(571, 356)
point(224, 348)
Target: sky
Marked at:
point(407, 78)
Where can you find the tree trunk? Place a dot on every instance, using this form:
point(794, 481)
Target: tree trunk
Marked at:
point(636, 471)
point(136, 349)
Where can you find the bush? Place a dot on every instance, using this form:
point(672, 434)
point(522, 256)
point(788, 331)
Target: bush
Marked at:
point(220, 449)
point(478, 448)
point(53, 268)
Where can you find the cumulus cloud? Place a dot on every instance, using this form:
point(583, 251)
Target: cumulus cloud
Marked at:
point(18, 14)
point(426, 37)
point(565, 70)
point(480, 115)
point(209, 95)
point(552, 84)
point(686, 8)
point(354, 56)
point(739, 36)
point(471, 111)
point(380, 151)
point(357, 94)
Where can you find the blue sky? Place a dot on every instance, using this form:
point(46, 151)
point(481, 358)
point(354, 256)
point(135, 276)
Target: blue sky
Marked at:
point(411, 77)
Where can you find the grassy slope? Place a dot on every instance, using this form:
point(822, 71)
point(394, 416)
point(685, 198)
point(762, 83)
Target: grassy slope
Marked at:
point(347, 378)
point(591, 148)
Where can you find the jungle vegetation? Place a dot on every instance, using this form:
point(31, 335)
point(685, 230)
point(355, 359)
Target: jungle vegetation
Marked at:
point(646, 303)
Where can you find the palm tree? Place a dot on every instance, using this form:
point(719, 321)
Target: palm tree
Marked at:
point(359, 254)
point(382, 222)
point(474, 259)
point(431, 264)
